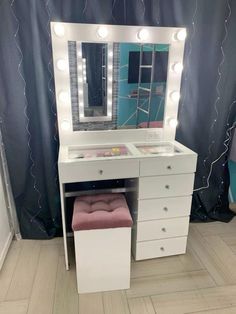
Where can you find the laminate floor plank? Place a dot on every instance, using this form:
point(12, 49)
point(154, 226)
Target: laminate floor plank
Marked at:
point(228, 310)
point(14, 307)
point(91, 303)
point(215, 228)
point(7, 270)
point(190, 261)
point(66, 298)
point(141, 306)
point(146, 286)
point(24, 273)
point(211, 259)
point(115, 302)
point(42, 297)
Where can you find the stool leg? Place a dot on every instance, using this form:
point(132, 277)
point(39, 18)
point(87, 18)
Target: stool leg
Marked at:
point(63, 215)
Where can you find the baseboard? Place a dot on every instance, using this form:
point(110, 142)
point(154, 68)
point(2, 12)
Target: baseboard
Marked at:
point(232, 206)
point(5, 249)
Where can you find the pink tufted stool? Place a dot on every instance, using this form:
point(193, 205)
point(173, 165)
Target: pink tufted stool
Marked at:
point(102, 231)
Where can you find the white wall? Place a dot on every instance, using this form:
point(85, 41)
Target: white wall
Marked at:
point(5, 232)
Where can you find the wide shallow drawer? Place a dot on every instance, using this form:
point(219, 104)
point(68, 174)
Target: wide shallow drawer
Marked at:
point(163, 165)
point(160, 248)
point(166, 186)
point(98, 170)
point(163, 208)
point(163, 228)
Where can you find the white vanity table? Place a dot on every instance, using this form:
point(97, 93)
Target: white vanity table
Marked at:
point(157, 171)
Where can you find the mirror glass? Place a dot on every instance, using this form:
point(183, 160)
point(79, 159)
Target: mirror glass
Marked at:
point(94, 73)
point(142, 85)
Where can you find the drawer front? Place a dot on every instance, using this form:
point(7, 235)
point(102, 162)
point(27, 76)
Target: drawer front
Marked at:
point(160, 248)
point(166, 186)
point(163, 208)
point(163, 228)
point(163, 165)
point(102, 170)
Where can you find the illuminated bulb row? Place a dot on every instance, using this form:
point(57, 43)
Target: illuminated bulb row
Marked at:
point(102, 32)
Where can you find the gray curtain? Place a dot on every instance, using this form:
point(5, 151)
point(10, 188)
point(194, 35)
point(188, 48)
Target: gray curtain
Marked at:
point(27, 102)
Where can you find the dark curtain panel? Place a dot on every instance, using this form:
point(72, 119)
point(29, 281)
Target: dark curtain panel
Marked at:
point(27, 102)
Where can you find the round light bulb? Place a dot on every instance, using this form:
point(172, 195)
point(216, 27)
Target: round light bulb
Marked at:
point(102, 32)
point(110, 79)
point(65, 125)
point(80, 92)
point(61, 64)
point(110, 54)
point(173, 122)
point(59, 29)
point(143, 34)
point(177, 67)
point(80, 67)
point(110, 66)
point(181, 34)
point(175, 96)
point(80, 80)
point(84, 60)
point(84, 72)
point(63, 96)
point(109, 102)
point(109, 90)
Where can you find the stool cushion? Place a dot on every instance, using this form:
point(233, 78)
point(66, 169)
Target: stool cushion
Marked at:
point(101, 211)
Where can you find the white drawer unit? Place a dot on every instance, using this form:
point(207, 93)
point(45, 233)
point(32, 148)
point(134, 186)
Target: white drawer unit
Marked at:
point(162, 228)
point(99, 170)
point(160, 248)
point(164, 208)
point(166, 186)
point(165, 165)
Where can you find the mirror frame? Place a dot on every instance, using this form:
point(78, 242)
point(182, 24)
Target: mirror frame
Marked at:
point(61, 33)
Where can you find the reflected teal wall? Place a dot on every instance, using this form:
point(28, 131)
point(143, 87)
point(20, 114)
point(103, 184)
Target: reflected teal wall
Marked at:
point(126, 103)
point(232, 172)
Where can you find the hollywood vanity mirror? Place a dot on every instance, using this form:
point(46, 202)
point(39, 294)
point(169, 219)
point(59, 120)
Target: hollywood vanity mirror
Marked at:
point(117, 93)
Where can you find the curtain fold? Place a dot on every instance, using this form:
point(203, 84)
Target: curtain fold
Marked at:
point(27, 102)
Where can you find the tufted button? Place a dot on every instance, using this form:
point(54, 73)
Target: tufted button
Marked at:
point(167, 186)
point(169, 167)
point(165, 209)
point(162, 248)
point(101, 171)
point(163, 229)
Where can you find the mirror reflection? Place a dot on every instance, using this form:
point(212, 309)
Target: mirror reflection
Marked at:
point(94, 57)
point(142, 85)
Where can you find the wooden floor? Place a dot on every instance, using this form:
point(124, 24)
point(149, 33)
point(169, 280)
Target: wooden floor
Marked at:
point(34, 280)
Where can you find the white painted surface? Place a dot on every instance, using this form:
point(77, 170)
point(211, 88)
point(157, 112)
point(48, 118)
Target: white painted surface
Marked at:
point(5, 231)
point(103, 259)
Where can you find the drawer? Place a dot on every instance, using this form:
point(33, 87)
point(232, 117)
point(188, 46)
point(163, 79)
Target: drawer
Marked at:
point(98, 170)
point(163, 208)
point(163, 165)
point(166, 186)
point(163, 228)
point(160, 248)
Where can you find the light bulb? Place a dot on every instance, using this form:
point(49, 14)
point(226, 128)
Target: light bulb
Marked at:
point(109, 102)
point(81, 115)
point(80, 80)
point(102, 32)
point(181, 35)
point(177, 67)
point(84, 72)
point(143, 34)
point(110, 66)
point(79, 54)
point(173, 122)
point(80, 92)
point(84, 60)
point(59, 29)
point(109, 90)
point(110, 54)
point(61, 64)
point(63, 96)
point(110, 79)
point(175, 96)
point(80, 67)
point(65, 125)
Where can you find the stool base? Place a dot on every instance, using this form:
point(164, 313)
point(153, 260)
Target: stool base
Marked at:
point(103, 259)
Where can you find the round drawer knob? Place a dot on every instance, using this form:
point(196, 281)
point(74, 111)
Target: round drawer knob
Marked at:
point(169, 167)
point(165, 209)
point(101, 171)
point(167, 186)
point(163, 229)
point(162, 248)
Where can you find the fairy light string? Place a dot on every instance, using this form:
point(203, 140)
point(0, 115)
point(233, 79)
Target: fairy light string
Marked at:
point(35, 185)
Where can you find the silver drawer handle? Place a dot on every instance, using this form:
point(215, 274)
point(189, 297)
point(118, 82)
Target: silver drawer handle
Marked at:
point(169, 167)
point(163, 229)
point(101, 171)
point(165, 209)
point(167, 186)
point(162, 248)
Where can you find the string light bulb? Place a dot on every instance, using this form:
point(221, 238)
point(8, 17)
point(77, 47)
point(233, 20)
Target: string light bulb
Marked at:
point(177, 67)
point(102, 32)
point(61, 64)
point(59, 30)
point(65, 125)
point(175, 96)
point(63, 96)
point(143, 34)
